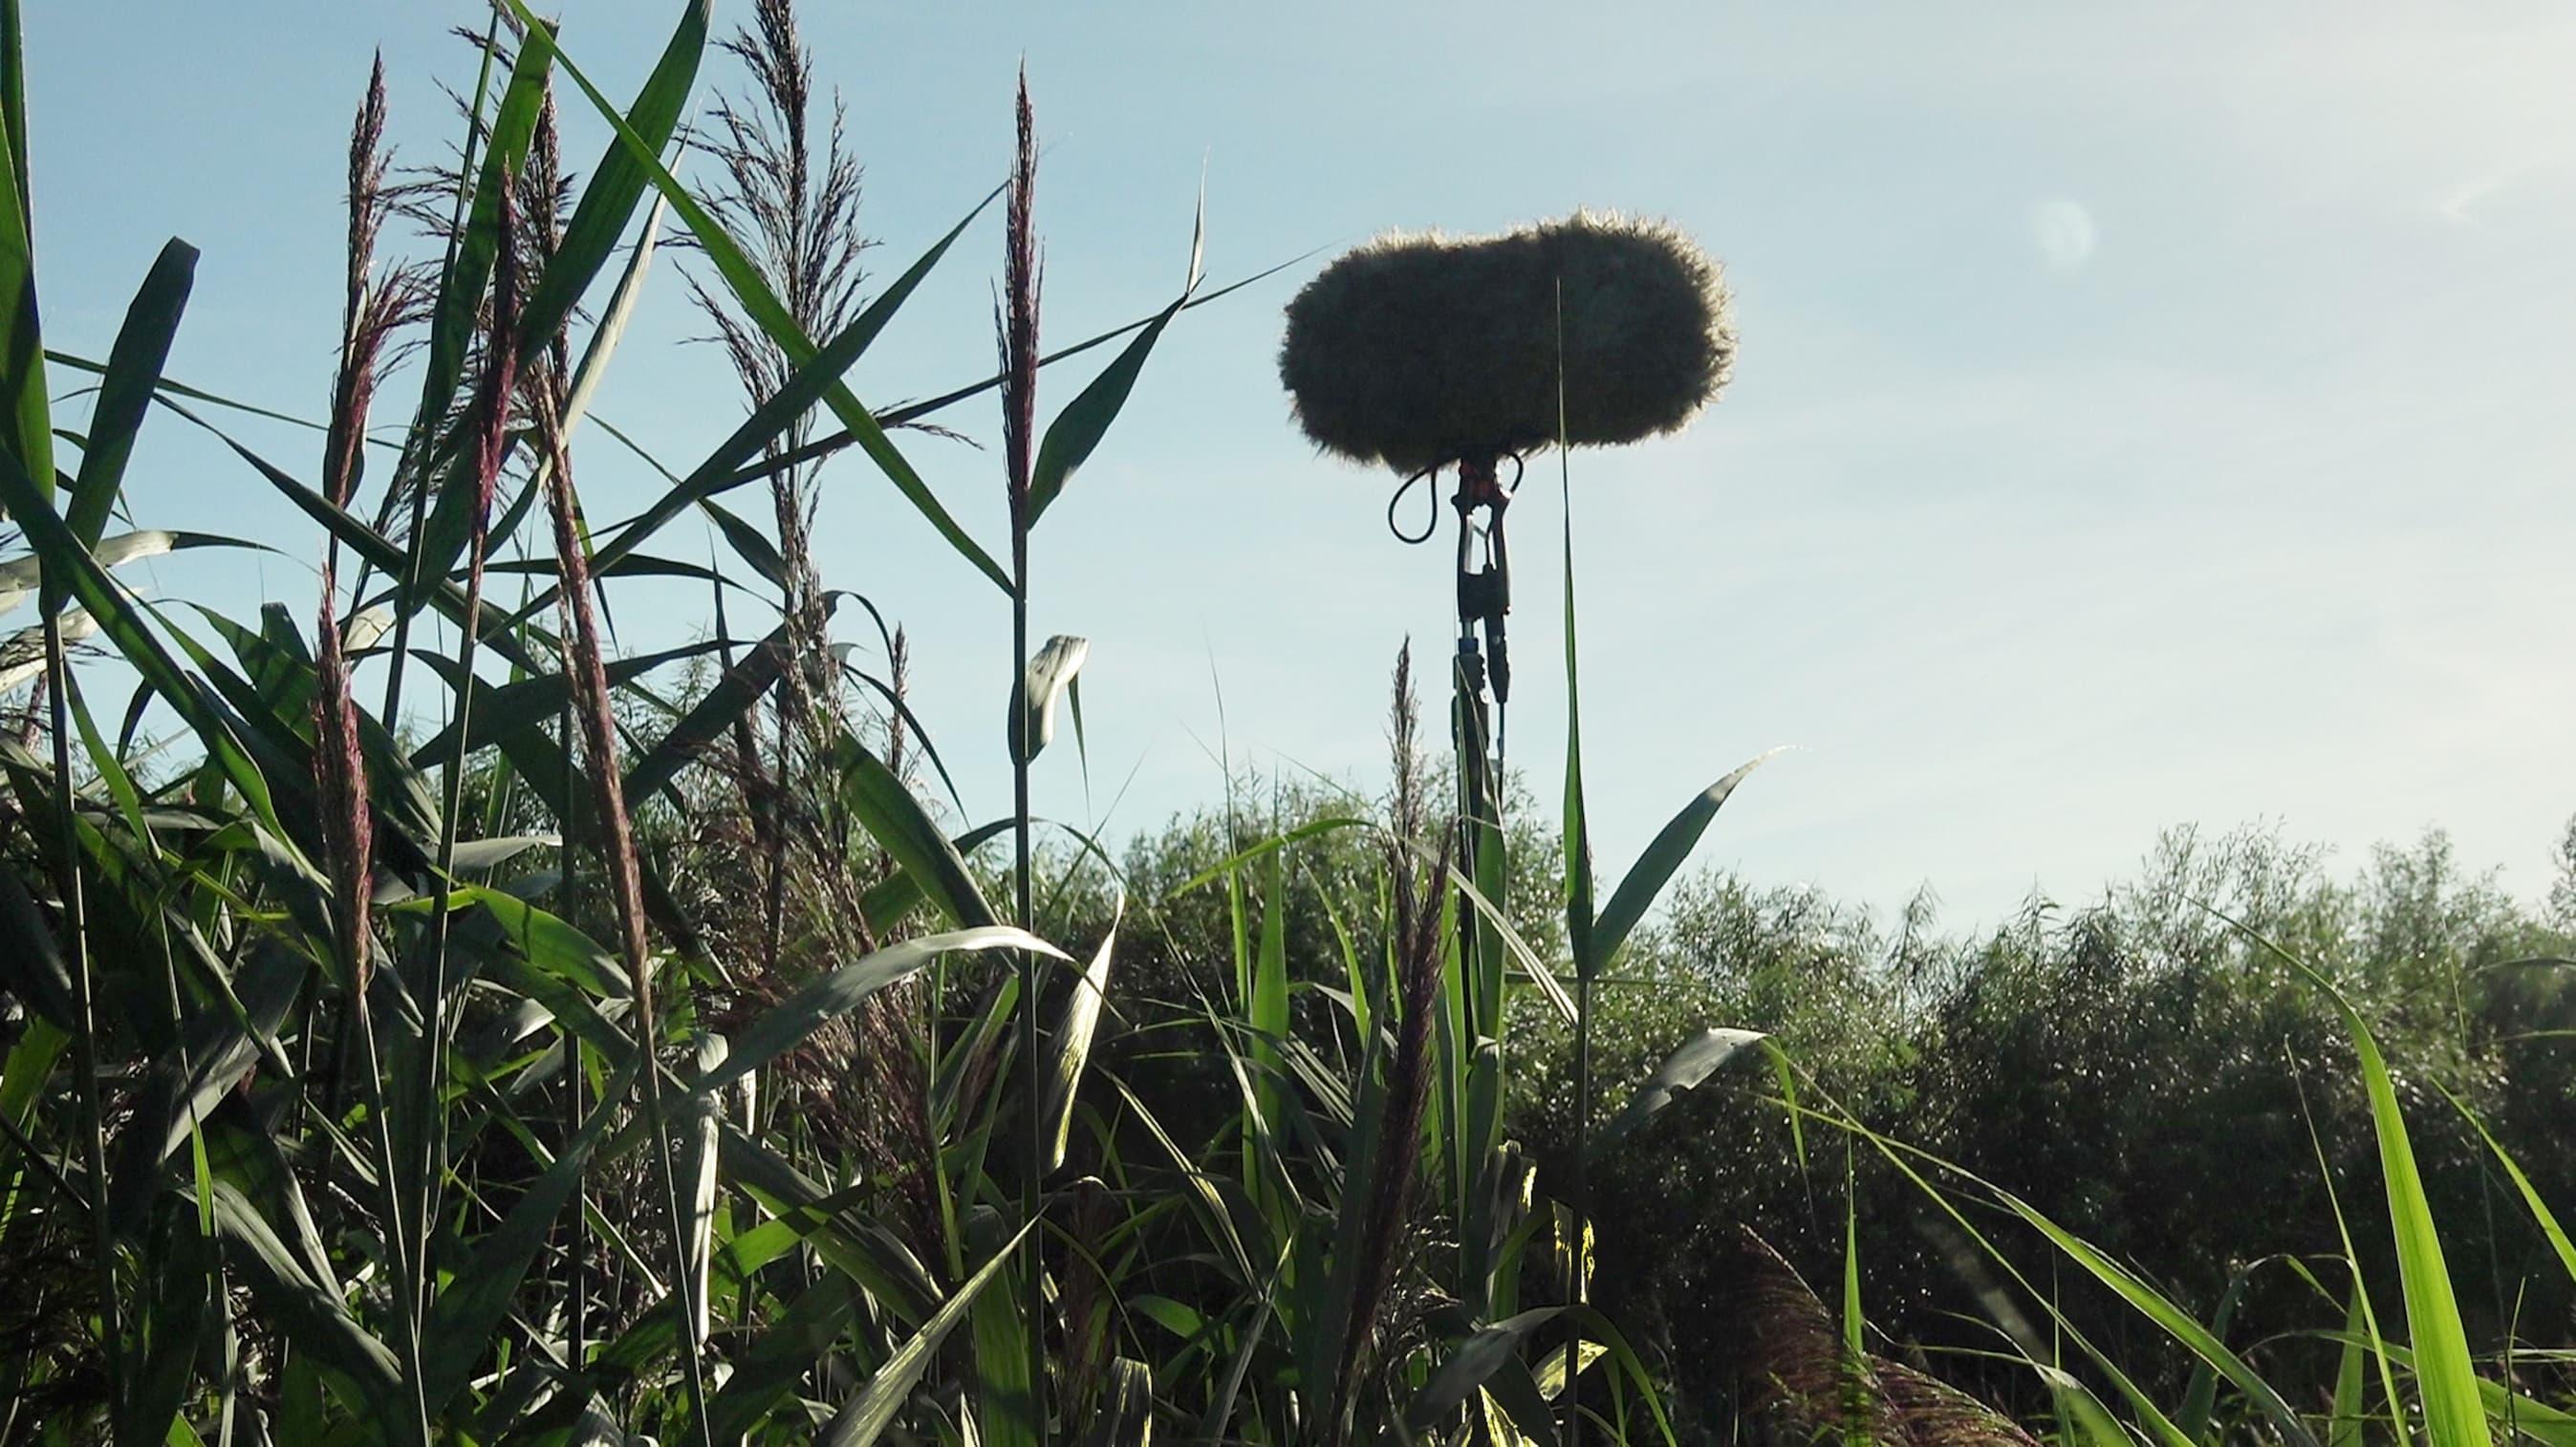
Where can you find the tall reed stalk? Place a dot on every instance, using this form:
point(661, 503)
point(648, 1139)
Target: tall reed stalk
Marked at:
point(613, 829)
point(373, 308)
point(491, 442)
point(1416, 913)
point(1016, 323)
point(27, 428)
point(785, 180)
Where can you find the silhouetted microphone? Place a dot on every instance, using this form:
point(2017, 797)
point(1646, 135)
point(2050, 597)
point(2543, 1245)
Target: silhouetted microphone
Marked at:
point(1419, 350)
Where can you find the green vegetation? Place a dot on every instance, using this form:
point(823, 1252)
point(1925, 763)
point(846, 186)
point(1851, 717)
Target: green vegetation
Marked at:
point(552, 1053)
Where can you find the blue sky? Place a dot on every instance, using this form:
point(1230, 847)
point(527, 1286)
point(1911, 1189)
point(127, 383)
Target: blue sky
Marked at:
point(2145, 415)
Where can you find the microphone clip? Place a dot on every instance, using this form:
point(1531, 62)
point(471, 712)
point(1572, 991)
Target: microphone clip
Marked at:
point(1484, 592)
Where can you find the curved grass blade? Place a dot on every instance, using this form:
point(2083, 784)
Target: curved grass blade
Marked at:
point(1472, 1361)
point(738, 691)
point(612, 327)
point(26, 411)
point(1126, 1417)
point(32, 968)
point(872, 1411)
point(617, 182)
point(1663, 857)
point(1309, 830)
point(1077, 431)
point(885, 807)
point(360, 1369)
point(2541, 1215)
point(19, 576)
point(791, 1020)
point(134, 365)
point(1070, 1051)
point(2177, 1323)
point(168, 1326)
point(2448, 1382)
point(90, 585)
point(2345, 1427)
point(891, 899)
point(1033, 700)
point(1684, 1069)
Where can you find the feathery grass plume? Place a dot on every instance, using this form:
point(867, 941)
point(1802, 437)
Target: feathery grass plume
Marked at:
point(1799, 1378)
point(490, 419)
point(545, 201)
point(374, 306)
point(1937, 1414)
point(1090, 1298)
point(1792, 1367)
point(1408, 1087)
point(797, 205)
point(787, 184)
point(499, 382)
point(1403, 721)
point(377, 305)
point(898, 692)
point(545, 190)
point(1415, 349)
point(1015, 312)
point(436, 200)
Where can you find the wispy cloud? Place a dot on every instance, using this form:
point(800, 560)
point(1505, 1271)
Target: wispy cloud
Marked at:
point(2455, 204)
point(2065, 233)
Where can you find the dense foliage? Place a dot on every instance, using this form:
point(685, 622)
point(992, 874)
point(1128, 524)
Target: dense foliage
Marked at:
point(2139, 1067)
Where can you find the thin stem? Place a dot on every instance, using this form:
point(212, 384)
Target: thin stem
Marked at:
point(433, 1002)
point(404, 1269)
point(684, 1274)
point(1032, 1142)
point(614, 833)
point(85, 1037)
point(577, 1306)
point(1582, 1193)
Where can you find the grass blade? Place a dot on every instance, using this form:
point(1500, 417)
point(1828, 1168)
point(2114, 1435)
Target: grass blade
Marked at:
point(1077, 431)
point(617, 183)
point(836, 994)
point(1663, 857)
point(886, 808)
point(1696, 1060)
point(2345, 1428)
point(134, 365)
point(870, 1412)
point(1071, 1049)
point(2541, 1215)
point(2453, 1413)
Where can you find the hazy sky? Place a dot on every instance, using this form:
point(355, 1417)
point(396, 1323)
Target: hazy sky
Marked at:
point(2144, 415)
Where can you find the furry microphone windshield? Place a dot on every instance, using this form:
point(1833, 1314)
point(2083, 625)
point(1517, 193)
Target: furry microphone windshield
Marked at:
point(1413, 351)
